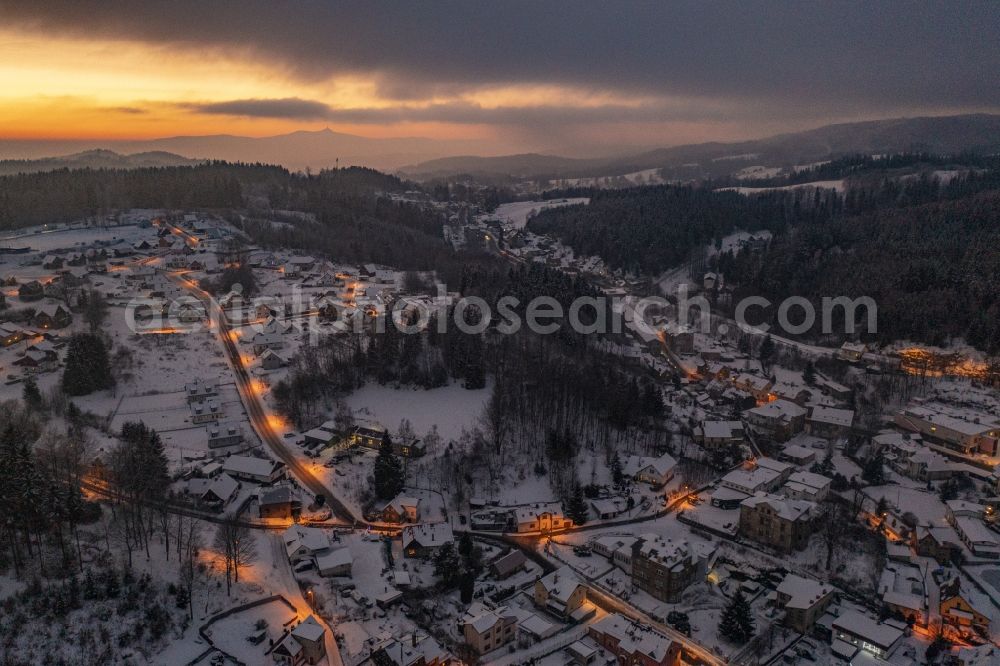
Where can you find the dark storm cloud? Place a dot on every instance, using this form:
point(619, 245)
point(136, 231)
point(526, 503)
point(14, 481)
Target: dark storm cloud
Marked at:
point(776, 58)
point(454, 112)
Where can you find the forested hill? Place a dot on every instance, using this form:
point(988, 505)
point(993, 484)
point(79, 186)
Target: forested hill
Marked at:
point(927, 251)
point(66, 195)
point(932, 269)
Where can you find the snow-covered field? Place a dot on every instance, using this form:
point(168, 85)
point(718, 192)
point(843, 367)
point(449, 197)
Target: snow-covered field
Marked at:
point(516, 214)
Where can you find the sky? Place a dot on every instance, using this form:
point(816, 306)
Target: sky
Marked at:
point(573, 78)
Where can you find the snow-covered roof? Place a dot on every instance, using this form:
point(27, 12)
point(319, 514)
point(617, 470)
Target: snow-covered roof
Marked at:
point(309, 629)
point(788, 509)
point(312, 539)
point(661, 465)
point(428, 535)
point(779, 409)
point(882, 634)
point(833, 416)
point(721, 429)
point(634, 637)
point(561, 584)
point(334, 559)
point(249, 465)
point(802, 592)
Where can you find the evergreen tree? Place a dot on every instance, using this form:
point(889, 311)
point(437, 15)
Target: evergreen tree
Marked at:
point(873, 471)
point(617, 475)
point(389, 478)
point(737, 622)
point(446, 565)
point(809, 374)
point(576, 506)
point(30, 394)
point(766, 350)
point(87, 366)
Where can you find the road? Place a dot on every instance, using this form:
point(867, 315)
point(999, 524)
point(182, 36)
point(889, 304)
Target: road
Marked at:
point(254, 406)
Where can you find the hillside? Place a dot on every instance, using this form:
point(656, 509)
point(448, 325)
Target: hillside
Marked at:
point(96, 159)
point(941, 135)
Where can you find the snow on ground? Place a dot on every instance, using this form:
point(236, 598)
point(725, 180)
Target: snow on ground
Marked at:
point(516, 213)
point(451, 407)
point(837, 185)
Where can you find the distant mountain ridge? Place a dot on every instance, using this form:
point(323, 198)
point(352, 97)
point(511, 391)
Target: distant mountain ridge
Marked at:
point(96, 159)
point(936, 134)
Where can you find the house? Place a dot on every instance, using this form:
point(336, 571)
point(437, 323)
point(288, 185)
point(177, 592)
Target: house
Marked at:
point(321, 436)
point(335, 562)
point(958, 613)
point(52, 316)
point(262, 342)
point(35, 361)
point(656, 471)
point(852, 351)
point(664, 567)
point(507, 565)
point(199, 390)
point(401, 509)
point(304, 644)
point(855, 630)
point(52, 262)
point(370, 437)
point(910, 457)
point(617, 548)
point(780, 419)
point(758, 387)
point(715, 435)
point(804, 601)
point(10, 334)
point(807, 486)
point(486, 629)
point(829, 422)
point(540, 518)
point(205, 411)
point(270, 360)
point(561, 593)
point(279, 503)
point(752, 480)
point(214, 493)
point(412, 650)
point(941, 543)
point(425, 539)
point(977, 537)
point(777, 521)
point(968, 434)
point(582, 652)
point(259, 470)
point(798, 455)
point(304, 543)
point(224, 434)
point(634, 643)
point(902, 590)
point(609, 507)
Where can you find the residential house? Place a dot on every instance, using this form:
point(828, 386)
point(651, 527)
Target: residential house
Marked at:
point(902, 590)
point(52, 316)
point(804, 601)
point(779, 419)
point(758, 387)
point(942, 543)
point(798, 455)
point(507, 565)
point(271, 360)
point(10, 334)
point(561, 593)
point(968, 433)
point(958, 613)
point(663, 567)
point(412, 650)
point(401, 509)
point(370, 436)
point(205, 411)
point(320, 436)
point(304, 543)
point(807, 486)
point(333, 563)
point(486, 629)
point(751, 480)
point(259, 470)
point(304, 644)
point(633, 643)
point(425, 539)
point(854, 630)
point(617, 548)
point(656, 471)
point(776, 521)
point(199, 391)
point(214, 493)
point(830, 422)
point(977, 537)
point(715, 435)
point(852, 351)
point(279, 503)
point(224, 434)
point(542, 517)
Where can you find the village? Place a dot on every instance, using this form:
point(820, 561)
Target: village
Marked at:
point(811, 504)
